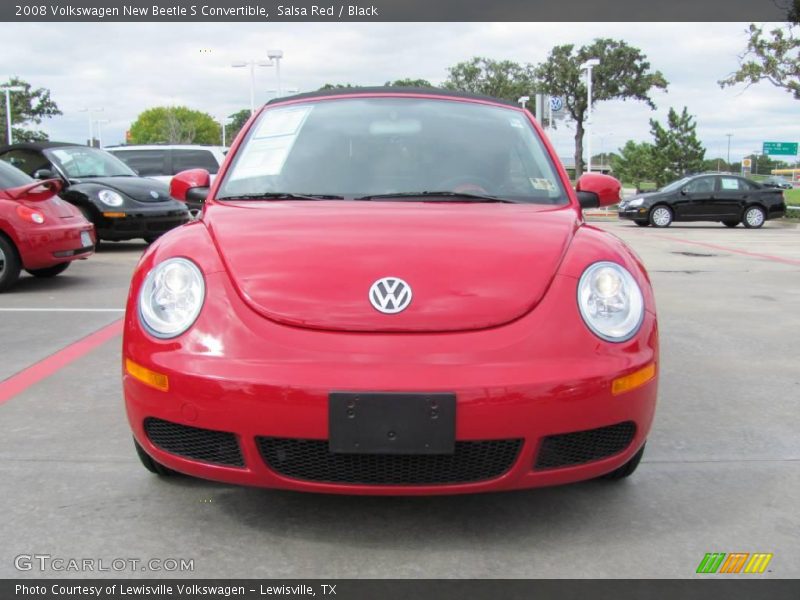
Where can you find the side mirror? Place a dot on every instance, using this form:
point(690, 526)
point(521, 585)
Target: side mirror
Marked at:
point(684, 191)
point(43, 174)
point(191, 185)
point(596, 190)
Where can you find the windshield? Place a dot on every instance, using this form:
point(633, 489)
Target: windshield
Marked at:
point(675, 185)
point(82, 161)
point(11, 177)
point(390, 147)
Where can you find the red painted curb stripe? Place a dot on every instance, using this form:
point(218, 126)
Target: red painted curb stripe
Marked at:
point(788, 261)
point(44, 368)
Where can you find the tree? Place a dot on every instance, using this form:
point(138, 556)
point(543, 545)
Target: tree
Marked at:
point(623, 73)
point(336, 86)
point(238, 119)
point(497, 78)
point(30, 106)
point(634, 163)
point(676, 149)
point(175, 125)
point(410, 83)
point(772, 57)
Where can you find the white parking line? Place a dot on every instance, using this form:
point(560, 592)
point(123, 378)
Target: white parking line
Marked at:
point(62, 310)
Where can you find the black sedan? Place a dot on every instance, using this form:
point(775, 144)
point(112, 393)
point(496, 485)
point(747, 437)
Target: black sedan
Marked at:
point(777, 182)
point(724, 198)
point(121, 204)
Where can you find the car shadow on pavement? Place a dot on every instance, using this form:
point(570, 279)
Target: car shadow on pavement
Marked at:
point(437, 521)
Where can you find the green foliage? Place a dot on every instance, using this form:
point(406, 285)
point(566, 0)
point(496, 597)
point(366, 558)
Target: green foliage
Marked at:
point(623, 73)
point(410, 83)
point(772, 57)
point(30, 106)
point(175, 125)
point(716, 164)
point(337, 86)
point(634, 163)
point(676, 149)
point(497, 78)
point(238, 119)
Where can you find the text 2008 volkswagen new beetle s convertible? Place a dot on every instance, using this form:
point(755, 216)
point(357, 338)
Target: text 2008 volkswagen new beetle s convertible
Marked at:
point(391, 292)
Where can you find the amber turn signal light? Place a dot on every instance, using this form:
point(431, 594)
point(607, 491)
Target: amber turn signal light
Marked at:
point(636, 379)
point(146, 376)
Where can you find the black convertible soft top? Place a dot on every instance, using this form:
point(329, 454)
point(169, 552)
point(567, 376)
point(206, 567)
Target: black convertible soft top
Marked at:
point(36, 146)
point(389, 90)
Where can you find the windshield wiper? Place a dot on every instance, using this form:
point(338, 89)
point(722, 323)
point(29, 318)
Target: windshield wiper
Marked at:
point(281, 196)
point(468, 196)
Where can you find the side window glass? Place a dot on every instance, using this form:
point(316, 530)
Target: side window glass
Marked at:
point(146, 162)
point(730, 184)
point(703, 185)
point(193, 159)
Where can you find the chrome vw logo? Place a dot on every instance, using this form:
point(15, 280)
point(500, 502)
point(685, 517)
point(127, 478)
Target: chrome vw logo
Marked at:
point(390, 295)
point(154, 194)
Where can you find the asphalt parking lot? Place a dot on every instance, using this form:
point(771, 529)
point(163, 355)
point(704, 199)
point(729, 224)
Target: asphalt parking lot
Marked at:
point(721, 472)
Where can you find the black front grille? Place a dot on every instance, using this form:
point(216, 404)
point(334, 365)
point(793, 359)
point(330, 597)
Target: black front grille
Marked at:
point(310, 460)
point(580, 447)
point(218, 447)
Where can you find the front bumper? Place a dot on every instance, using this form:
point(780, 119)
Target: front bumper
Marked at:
point(48, 245)
point(638, 213)
point(139, 223)
point(238, 373)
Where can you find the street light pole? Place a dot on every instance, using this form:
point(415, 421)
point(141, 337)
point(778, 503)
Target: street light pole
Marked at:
point(90, 112)
point(99, 122)
point(8, 89)
point(589, 65)
point(275, 56)
point(730, 135)
point(252, 64)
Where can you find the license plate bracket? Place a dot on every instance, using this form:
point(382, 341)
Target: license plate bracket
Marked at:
point(86, 239)
point(391, 423)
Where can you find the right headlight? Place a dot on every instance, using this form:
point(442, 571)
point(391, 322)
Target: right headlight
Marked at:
point(171, 297)
point(110, 198)
point(610, 301)
point(636, 202)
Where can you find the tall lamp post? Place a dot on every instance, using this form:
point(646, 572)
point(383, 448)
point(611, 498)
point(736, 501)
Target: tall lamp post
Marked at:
point(729, 135)
point(275, 56)
point(589, 65)
point(98, 123)
point(252, 64)
point(8, 89)
point(91, 112)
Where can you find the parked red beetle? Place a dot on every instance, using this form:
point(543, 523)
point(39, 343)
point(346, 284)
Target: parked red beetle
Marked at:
point(39, 232)
point(391, 292)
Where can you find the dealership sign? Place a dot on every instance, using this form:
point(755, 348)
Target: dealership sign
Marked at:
point(781, 148)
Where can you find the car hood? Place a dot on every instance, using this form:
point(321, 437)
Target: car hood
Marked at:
point(141, 189)
point(312, 264)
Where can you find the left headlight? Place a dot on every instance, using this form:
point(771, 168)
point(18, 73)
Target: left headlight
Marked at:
point(110, 198)
point(610, 301)
point(171, 297)
point(635, 202)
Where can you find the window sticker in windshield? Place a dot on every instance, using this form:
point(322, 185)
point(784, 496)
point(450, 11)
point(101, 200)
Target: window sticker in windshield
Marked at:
point(542, 184)
point(282, 121)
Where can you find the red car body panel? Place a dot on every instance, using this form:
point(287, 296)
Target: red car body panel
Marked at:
point(42, 245)
point(462, 286)
point(497, 324)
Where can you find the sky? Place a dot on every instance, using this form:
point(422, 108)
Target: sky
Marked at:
point(125, 68)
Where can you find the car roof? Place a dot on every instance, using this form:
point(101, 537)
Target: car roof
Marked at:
point(38, 146)
point(390, 90)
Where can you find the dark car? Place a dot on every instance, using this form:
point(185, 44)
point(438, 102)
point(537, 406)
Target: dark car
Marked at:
point(728, 199)
point(777, 182)
point(110, 194)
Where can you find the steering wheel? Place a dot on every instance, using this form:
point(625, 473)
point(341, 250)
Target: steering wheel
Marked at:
point(466, 184)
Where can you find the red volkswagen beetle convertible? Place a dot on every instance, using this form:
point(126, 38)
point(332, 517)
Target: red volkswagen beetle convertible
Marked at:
point(391, 292)
point(39, 232)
